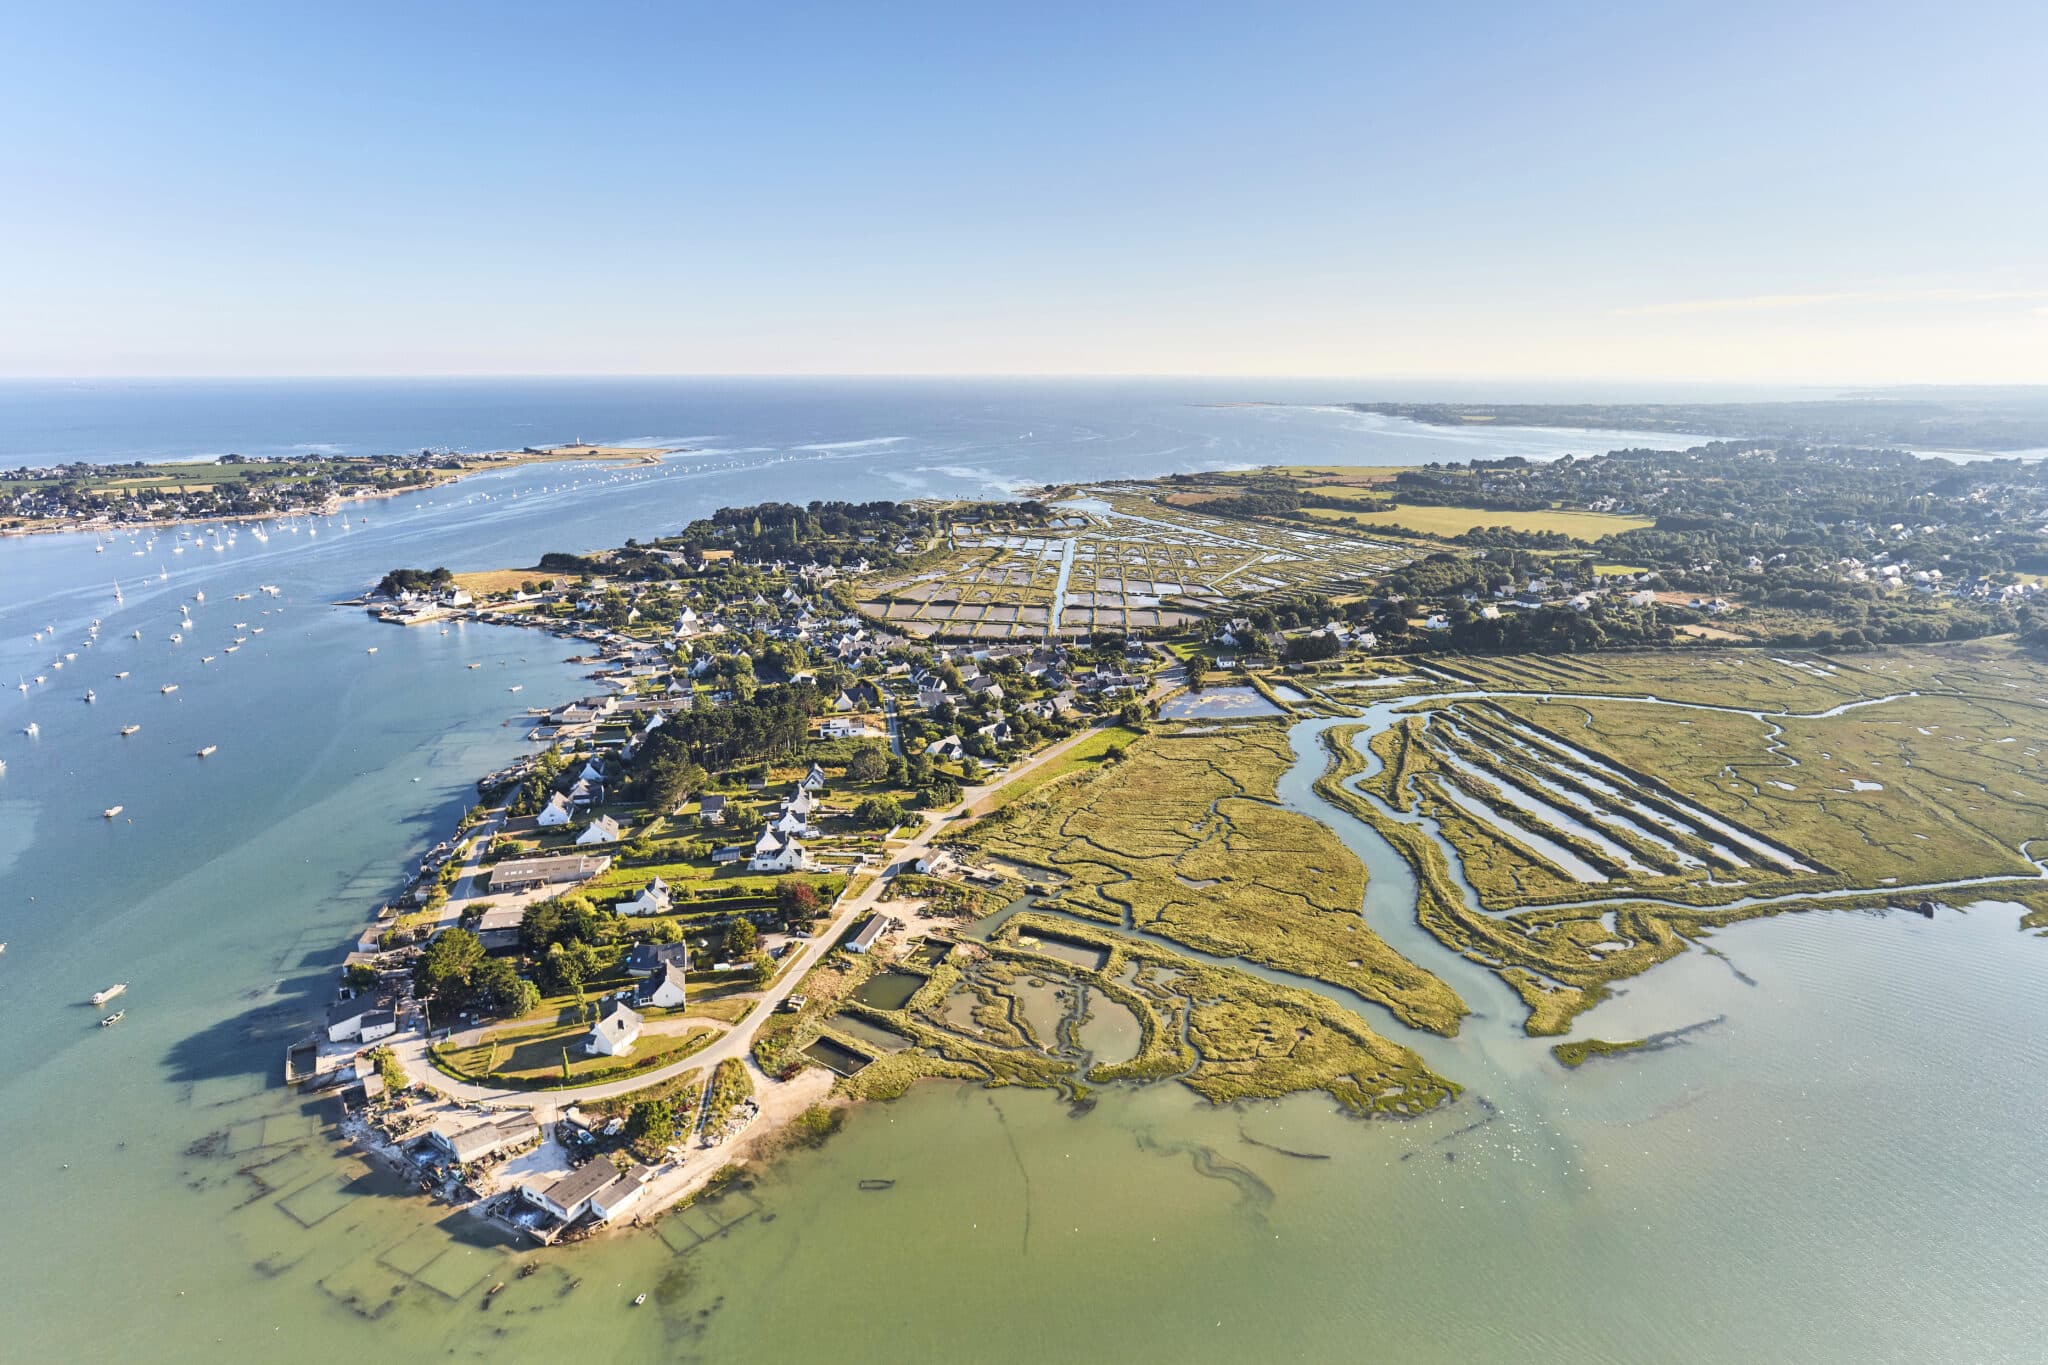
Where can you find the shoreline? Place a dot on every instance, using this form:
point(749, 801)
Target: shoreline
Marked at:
point(495, 459)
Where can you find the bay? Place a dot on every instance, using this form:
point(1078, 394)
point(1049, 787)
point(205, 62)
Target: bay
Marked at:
point(1846, 1167)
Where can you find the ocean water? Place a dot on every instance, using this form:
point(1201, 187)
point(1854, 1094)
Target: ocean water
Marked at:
point(1846, 1166)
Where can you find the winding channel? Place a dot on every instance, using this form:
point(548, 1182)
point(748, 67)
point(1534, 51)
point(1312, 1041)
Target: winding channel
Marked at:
point(1491, 1055)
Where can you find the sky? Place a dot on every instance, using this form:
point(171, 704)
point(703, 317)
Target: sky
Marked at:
point(1727, 191)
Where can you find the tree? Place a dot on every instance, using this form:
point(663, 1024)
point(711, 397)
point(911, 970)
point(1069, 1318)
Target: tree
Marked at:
point(501, 990)
point(740, 938)
point(360, 976)
point(652, 1124)
point(448, 964)
point(878, 812)
point(764, 969)
point(970, 769)
point(796, 900)
point(568, 966)
point(1132, 714)
point(870, 763)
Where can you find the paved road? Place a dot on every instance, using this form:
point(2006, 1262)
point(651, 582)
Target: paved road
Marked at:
point(411, 1050)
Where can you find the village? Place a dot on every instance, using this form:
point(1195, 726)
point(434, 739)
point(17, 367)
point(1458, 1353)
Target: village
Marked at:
point(555, 1022)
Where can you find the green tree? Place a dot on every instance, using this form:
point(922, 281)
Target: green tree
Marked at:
point(740, 938)
point(652, 1124)
point(501, 990)
point(878, 812)
point(359, 976)
point(870, 763)
point(764, 969)
point(448, 964)
point(568, 966)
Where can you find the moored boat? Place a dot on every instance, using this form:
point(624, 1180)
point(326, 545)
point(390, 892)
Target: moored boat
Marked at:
point(116, 1017)
point(102, 997)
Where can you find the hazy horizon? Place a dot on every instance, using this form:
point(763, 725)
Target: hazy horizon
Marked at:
point(1729, 193)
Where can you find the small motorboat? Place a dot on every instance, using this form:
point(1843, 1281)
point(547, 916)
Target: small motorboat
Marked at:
point(111, 811)
point(516, 687)
point(88, 695)
point(168, 688)
point(102, 997)
point(31, 729)
point(639, 1299)
point(130, 729)
point(371, 650)
point(122, 674)
point(209, 749)
point(116, 1017)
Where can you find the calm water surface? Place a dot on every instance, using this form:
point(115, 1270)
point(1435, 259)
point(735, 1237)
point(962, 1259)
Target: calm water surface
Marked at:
point(1846, 1166)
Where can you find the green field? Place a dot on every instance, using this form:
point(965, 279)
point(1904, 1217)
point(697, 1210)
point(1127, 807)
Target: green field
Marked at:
point(533, 1056)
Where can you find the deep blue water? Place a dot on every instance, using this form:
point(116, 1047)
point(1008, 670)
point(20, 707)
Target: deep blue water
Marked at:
point(1154, 423)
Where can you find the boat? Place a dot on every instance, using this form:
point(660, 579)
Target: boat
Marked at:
point(639, 1299)
point(516, 687)
point(116, 1017)
point(243, 596)
point(207, 750)
point(177, 639)
point(31, 729)
point(206, 658)
point(111, 811)
point(199, 596)
point(472, 666)
point(102, 997)
point(88, 695)
point(130, 729)
point(135, 634)
point(122, 674)
point(371, 650)
point(169, 687)
point(23, 685)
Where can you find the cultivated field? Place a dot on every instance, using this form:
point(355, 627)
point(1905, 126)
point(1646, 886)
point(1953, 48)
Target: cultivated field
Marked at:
point(1114, 560)
point(1455, 521)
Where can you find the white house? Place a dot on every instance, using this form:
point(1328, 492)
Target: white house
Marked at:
point(776, 854)
point(603, 830)
point(842, 727)
point(949, 747)
point(663, 990)
point(814, 780)
point(653, 900)
point(609, 1202)
point(615, 1034)
point(789, 823)
point(568, 1198)
point(360, 1019)
point(556, 814)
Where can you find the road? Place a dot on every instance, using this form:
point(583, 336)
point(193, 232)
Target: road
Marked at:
point(411, 1050)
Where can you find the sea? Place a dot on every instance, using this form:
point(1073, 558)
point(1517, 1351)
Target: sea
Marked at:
point(1839, 1158)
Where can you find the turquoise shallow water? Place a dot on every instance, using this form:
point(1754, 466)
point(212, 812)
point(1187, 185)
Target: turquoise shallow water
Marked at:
point(1846, 1166)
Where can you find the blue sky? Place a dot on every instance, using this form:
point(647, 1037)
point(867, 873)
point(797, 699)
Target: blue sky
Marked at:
point(1852, 193)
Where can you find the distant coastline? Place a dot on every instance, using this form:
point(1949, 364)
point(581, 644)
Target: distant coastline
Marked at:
point(436, 476)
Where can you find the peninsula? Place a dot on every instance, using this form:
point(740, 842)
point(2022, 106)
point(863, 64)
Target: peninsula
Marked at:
point(84, 496)
point(1083, 790)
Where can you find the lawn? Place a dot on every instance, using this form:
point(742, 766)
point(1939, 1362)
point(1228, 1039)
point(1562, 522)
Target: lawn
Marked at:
point(1086, 753)
point(1454, 521)
point(531, 1057)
